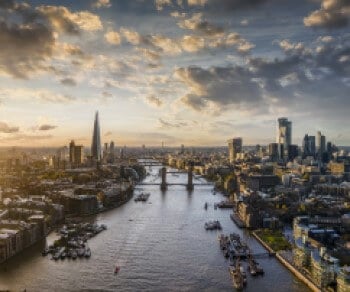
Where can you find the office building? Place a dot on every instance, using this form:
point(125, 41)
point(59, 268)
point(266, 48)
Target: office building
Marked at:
point(284, 137)
point(71, 151)
point(308, 145)
point(111, 147)
point(78, 155)
point(234, 147)
point(273, 151)
point(321, 144)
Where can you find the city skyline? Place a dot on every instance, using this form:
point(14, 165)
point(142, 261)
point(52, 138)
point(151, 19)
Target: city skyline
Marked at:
point(186, 72)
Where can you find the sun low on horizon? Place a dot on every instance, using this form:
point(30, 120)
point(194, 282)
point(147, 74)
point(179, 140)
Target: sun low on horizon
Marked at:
point(193, 72)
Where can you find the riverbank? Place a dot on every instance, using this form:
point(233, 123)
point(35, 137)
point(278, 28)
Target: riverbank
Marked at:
point(274, 239)
point(283, 259)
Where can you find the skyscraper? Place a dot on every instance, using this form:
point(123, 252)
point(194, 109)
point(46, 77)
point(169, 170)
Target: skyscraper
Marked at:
point(273, 151)
point(321, 144)
point(284, 136)
point(111, 147)
point(312, 145)
point(96, 140)
point(234, 147)
point(71, 151)
point(308, 145)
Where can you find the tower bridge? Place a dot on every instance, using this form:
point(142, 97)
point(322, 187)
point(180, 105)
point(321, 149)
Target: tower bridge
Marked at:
point(164, 184)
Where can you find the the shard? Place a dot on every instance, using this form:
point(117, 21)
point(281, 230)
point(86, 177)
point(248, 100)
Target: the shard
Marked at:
point(96, 140)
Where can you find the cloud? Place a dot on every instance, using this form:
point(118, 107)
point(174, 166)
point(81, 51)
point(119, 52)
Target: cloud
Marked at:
point(303, 79)
point(293, 48)
point(24, 48)
point(332, 14)
point(232, 39)
point(192, 43)
point(42, 95)
point(163, 124)
point(244, 22)
point(197, 24)
point(101, 4)
point(63, 20)
point(220, 86)
point(167, 45)
point(160, 4)
point(207, 39)
point(133, 37)
point(46, 127)
point(150, 55)
point(211, 5)
point(197, 2)
point(29, 40)
point(68, 82)
point(154, 101)
point(26, 138)
point(109, 133)
point(5, 128)
point(226, 4)
point(107, 94)
point(113, 37)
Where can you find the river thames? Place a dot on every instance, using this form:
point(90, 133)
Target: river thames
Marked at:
point(160, 245)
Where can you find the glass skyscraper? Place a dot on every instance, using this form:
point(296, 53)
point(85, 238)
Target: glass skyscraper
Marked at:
point(284, 136)
point(96, 140)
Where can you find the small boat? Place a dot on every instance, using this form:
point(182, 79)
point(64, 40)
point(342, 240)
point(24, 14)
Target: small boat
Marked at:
point(63, 255)
point(56, 256)
point(45, 252)
point(81, 252)
point(87, 253)
point(116, 270)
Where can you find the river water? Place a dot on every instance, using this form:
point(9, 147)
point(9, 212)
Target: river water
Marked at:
point(160, 245)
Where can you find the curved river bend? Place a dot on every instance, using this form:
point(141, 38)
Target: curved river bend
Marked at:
point(160, 245)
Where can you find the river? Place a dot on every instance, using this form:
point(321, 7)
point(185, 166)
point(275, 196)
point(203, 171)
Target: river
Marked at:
point(160, 245)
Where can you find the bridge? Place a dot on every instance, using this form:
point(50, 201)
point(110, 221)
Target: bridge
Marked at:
point(164, 184)
point(173, 184)
point(150, 163)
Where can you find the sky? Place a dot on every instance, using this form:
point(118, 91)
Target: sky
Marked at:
point(192, 72)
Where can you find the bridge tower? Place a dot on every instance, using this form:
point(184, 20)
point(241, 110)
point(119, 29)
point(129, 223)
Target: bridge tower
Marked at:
point(163, 185)
point(190, 177)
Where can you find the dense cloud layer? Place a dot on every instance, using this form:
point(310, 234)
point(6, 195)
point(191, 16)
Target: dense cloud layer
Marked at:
point(29, 42)
point(181, 58)
point(319, 75)
point(219, 85)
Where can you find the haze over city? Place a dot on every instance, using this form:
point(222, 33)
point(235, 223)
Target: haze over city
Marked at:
point(191, 72)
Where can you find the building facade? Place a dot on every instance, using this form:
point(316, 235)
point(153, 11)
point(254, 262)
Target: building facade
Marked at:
point(234, 147)
point(284, 136)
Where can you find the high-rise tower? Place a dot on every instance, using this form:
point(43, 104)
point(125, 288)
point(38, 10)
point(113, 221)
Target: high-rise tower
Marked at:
point(234, 147)
point(284, 136)
point(96, 140)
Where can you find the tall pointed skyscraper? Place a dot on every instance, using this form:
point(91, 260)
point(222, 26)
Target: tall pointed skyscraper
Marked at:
point(96, 140)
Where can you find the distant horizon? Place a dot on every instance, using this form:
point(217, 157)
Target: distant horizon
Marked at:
point(150, 147)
